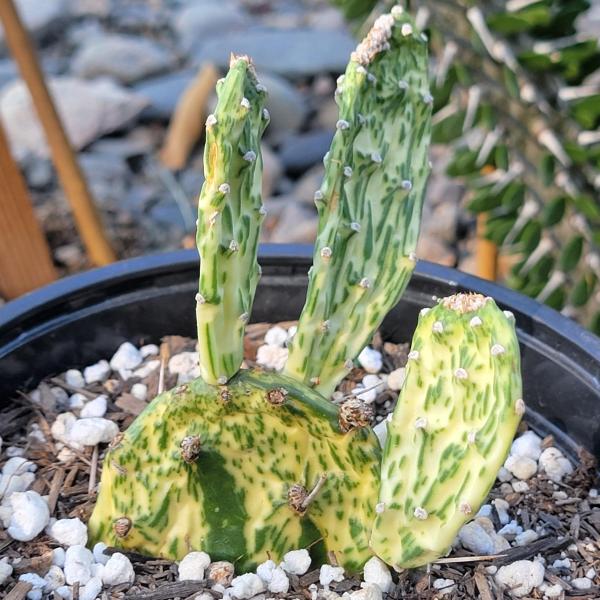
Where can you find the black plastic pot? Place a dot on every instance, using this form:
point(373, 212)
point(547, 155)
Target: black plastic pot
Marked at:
point(81, 319)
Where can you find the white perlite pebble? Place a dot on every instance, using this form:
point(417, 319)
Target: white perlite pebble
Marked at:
point(62, 426)
point(77, 401)
point(193, 565)
point(444, 586)
point(64, 592)
point(247, 586)
point(91, 589)
point(126, 358)
point(58, 557)
point(529, 445)
point(502, 507)
point(590, 573)
point(139, 391)
point(370, 360)
point(511, 528)
point(279, 583)
point(485, 511)
point(74, 377)
point(480, 537)
point(5, 570)
point(54, 578)
point(373, 382)
point(98, 570)
point(149, 350)
point(555, 464)
point(17, 476)
point(68, 532)
point(147, 368)
point(551, 591)
point(296, 562)
point(276, 336)
point(118, 570)
point(37, 583)
point(521, 467)
point(265, 570)
point(520, 577)
point(185, 365)
point(98, 553)
point(520, 487)
point(29, 517)
point(95, 408)
point(581, 583)
point(271, 357)
point(504, 475)
point(367, 396)
point(527, 537)
point(92, 431)
point(377, 573)
point(396, 379)
point(368, 592)
point(329, 574)
point(564, 563)
point(98, 372)
point(78, 565)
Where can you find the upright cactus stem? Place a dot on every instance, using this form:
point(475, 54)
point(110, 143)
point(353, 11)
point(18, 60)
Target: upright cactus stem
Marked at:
point(451, 430)
point(370, 201)
point(230, 212)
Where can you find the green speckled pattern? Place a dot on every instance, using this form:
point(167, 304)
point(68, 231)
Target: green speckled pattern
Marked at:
point(232, 501)
point(230, 213)
point(370, 201)
point(452, 428)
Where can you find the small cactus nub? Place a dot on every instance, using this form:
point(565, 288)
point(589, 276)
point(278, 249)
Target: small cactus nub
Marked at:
point(190, 448)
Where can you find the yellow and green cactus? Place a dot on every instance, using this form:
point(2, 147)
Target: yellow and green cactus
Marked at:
point(230, 212)
point(244, 472)
point(370, 202)
point(451, 430)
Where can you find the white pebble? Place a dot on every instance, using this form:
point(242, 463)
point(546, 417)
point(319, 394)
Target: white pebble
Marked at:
point(529, 445)
point(276, 336)
point(279, 583)
point(271, 357)
point(78, 565)
point(29, 517)
point(185, 365)
point(60, 396)
point(98, 570)
point(504, 475)
point(117, 570)
point(77, 401)
point(368, 592)
point(98, 553)
point(58, 557)
point(62, 426)
point(66, 454)
point(521, 466)
point(13, 451)
point(511, 528)
point(92, 431)
point(590, 573)
point(98, 372)
point(140, 391)
point(55, 578)
point(18, 465)
point(377, 573)
point(485, 511)
point(520, 487)
point(37, 583)
point(5, 569)
point(149, 350)
point(370, 360)
point(564, 563)
point(480, 537)
point(520, 577)
point(68, 532)
point(296, 562)
point(329, 574)
point(581, 583)
point(551, 591)
point(74, 378)
point(527, 537)
point(95, 408)
point(502, 507)
point(91, 589)
point(373, 381)
point(6, 512)
point(11, 483)
point(265, 570)
point(65, 592)
point(367, 396)
point(246, 586)
point(555, 464)
point(193, 565)
point(444, 586)
point(396, 379)
point(127, 358)
point(147, 368)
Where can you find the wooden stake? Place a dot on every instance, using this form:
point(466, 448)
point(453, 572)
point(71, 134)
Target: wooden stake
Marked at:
point(78, 195)
point(25, 260)
point(486, 252)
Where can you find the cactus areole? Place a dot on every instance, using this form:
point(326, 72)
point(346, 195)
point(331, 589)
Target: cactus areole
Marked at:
point(247, 464)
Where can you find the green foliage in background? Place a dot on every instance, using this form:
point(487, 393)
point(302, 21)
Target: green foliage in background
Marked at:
point(517, 96)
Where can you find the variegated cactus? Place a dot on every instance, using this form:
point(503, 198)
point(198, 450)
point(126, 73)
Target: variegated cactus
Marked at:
point(451, 430)
point(370, 201)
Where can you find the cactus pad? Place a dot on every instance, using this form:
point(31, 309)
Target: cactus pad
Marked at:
point(451, 430)
point(244, 472)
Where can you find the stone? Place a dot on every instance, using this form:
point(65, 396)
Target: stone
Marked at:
point(529, 445)
point(125, 58)
point(296, 562)
point(272, 357)
point(480, 537)
point(99, 555)
point(163, 93)
point(300, 152)
point(5, 569)
point(117, 570)
point(370, 360)
point(94, 408)
point(193, 565)
point(521, 467)
point(54, 578)
point(185, 365)
point(39, 17)
point(74, 378)
point(68, 532)
point(520, 577)
point(126, 357)
point(198, 21)
point(376, 572)
point(247, 586)
point(396, 378)
point(296, 224)
point(307, 51)
point(444, 586)
point(88, 110)
point(276, 336)
point(78, 565)
point(30, 515)
point(140, 391)
point(554, 463)
point(92, 431)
